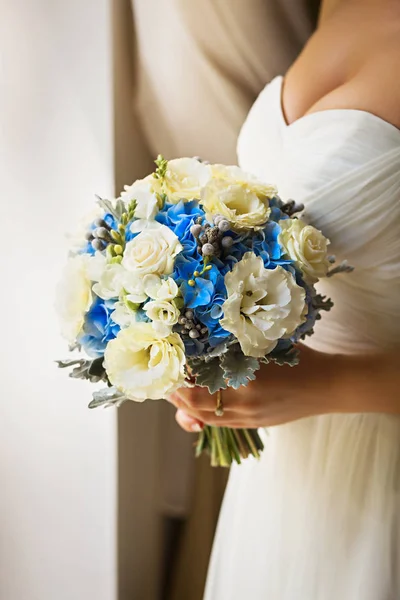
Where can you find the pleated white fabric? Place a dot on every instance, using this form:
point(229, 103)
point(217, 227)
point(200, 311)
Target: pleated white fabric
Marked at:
point(318, 517)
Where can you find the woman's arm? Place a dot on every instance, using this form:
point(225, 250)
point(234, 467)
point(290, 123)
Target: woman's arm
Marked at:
point(321, 384)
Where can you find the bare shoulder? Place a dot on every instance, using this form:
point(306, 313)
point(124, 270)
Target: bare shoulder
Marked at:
point(342, 68)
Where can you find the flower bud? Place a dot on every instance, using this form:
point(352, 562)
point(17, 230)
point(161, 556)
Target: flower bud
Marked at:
point(102, 232)
point(193, 333)
point(100, 223)
point(118, 249)
point(191, 282)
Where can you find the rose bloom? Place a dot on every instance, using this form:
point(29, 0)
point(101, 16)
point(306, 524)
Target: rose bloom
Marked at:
point(263, 305)
point(183, 180)
point(307, 246)
point(145, 362)
point(241, 198)
point(74, 296)
point(152, 251)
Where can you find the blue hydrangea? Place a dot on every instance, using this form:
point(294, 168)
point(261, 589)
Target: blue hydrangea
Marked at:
point(179, 218)
point(98, 328)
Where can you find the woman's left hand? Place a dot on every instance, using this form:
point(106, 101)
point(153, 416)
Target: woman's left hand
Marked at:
point(278, 395)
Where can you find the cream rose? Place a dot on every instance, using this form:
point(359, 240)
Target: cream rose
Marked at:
point(145, 363)
point(162, 311)
point(74, 296)
point(183, 179)
point(307, 246)
point(160, 289)
point(263, 305)
point(146, 200)
point(241, 198)
point(152, 251)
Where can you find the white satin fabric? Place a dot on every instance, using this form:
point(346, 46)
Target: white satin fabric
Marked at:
point(318, 517)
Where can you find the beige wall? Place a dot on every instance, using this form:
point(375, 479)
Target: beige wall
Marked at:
point(57, 458)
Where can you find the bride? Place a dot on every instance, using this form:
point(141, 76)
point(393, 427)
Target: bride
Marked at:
point(318, 517)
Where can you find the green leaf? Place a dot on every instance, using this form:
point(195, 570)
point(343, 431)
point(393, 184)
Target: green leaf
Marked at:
point(108, 396)
point(208, 374)
point(238, 368)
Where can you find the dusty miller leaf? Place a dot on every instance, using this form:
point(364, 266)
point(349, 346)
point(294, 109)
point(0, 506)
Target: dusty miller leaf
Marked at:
point(109, 396)
point(238, 368)
point(321, 302)
point(289, 356)
point(117, 209)
point(92, 370)
point(208, 374)
point(220, 349)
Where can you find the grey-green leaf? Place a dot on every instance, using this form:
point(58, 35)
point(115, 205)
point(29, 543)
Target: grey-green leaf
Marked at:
point(208, 374)
point(238, 368)
point(290, 356)
point(109, 396)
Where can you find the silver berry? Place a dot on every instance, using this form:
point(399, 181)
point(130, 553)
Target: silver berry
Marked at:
point(203, 330)
point(224, 225)
point(193, 333)
point(227, 242)
point(100, 223)
point(97, 244)
point(217, 219)
point(189, 314)
point(102, 232)
point(196, 230)
point(182, 321)
point(208, 250)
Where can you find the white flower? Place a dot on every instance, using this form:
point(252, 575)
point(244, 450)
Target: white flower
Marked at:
point(307, 246)
point(183, 179)
point(133, 285)
point(146, 200)
point(263, 305)
point(160, 289)
point(152, 251)
point(241, 198)
point(162, 311)
point(145, 363)
point(110, 282)
point(122, 315)
point(74, 296)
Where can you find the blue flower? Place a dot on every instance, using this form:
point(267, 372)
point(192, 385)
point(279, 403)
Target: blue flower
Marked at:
point(98, 328)
point(179, 218)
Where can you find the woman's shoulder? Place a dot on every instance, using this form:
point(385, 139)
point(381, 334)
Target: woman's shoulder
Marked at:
point(339, 70)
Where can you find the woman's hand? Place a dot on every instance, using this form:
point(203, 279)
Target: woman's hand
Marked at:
point(278, 395)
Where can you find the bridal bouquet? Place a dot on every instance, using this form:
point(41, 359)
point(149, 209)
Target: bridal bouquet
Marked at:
point(194, 276)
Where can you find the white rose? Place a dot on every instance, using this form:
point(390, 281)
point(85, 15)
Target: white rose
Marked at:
point(74, 296)
point(307, 246)
point(160, 289)
point(263, 305)
point(241, 198)
point(162, 311)
point(152, 251)
point(146, 200)
point(110, 282)
point(144, 363)
point(183, 179)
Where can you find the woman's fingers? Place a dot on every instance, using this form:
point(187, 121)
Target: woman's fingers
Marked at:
point(187, 422)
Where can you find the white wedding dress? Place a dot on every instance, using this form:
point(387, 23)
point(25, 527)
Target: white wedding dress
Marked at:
point(318, 517)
